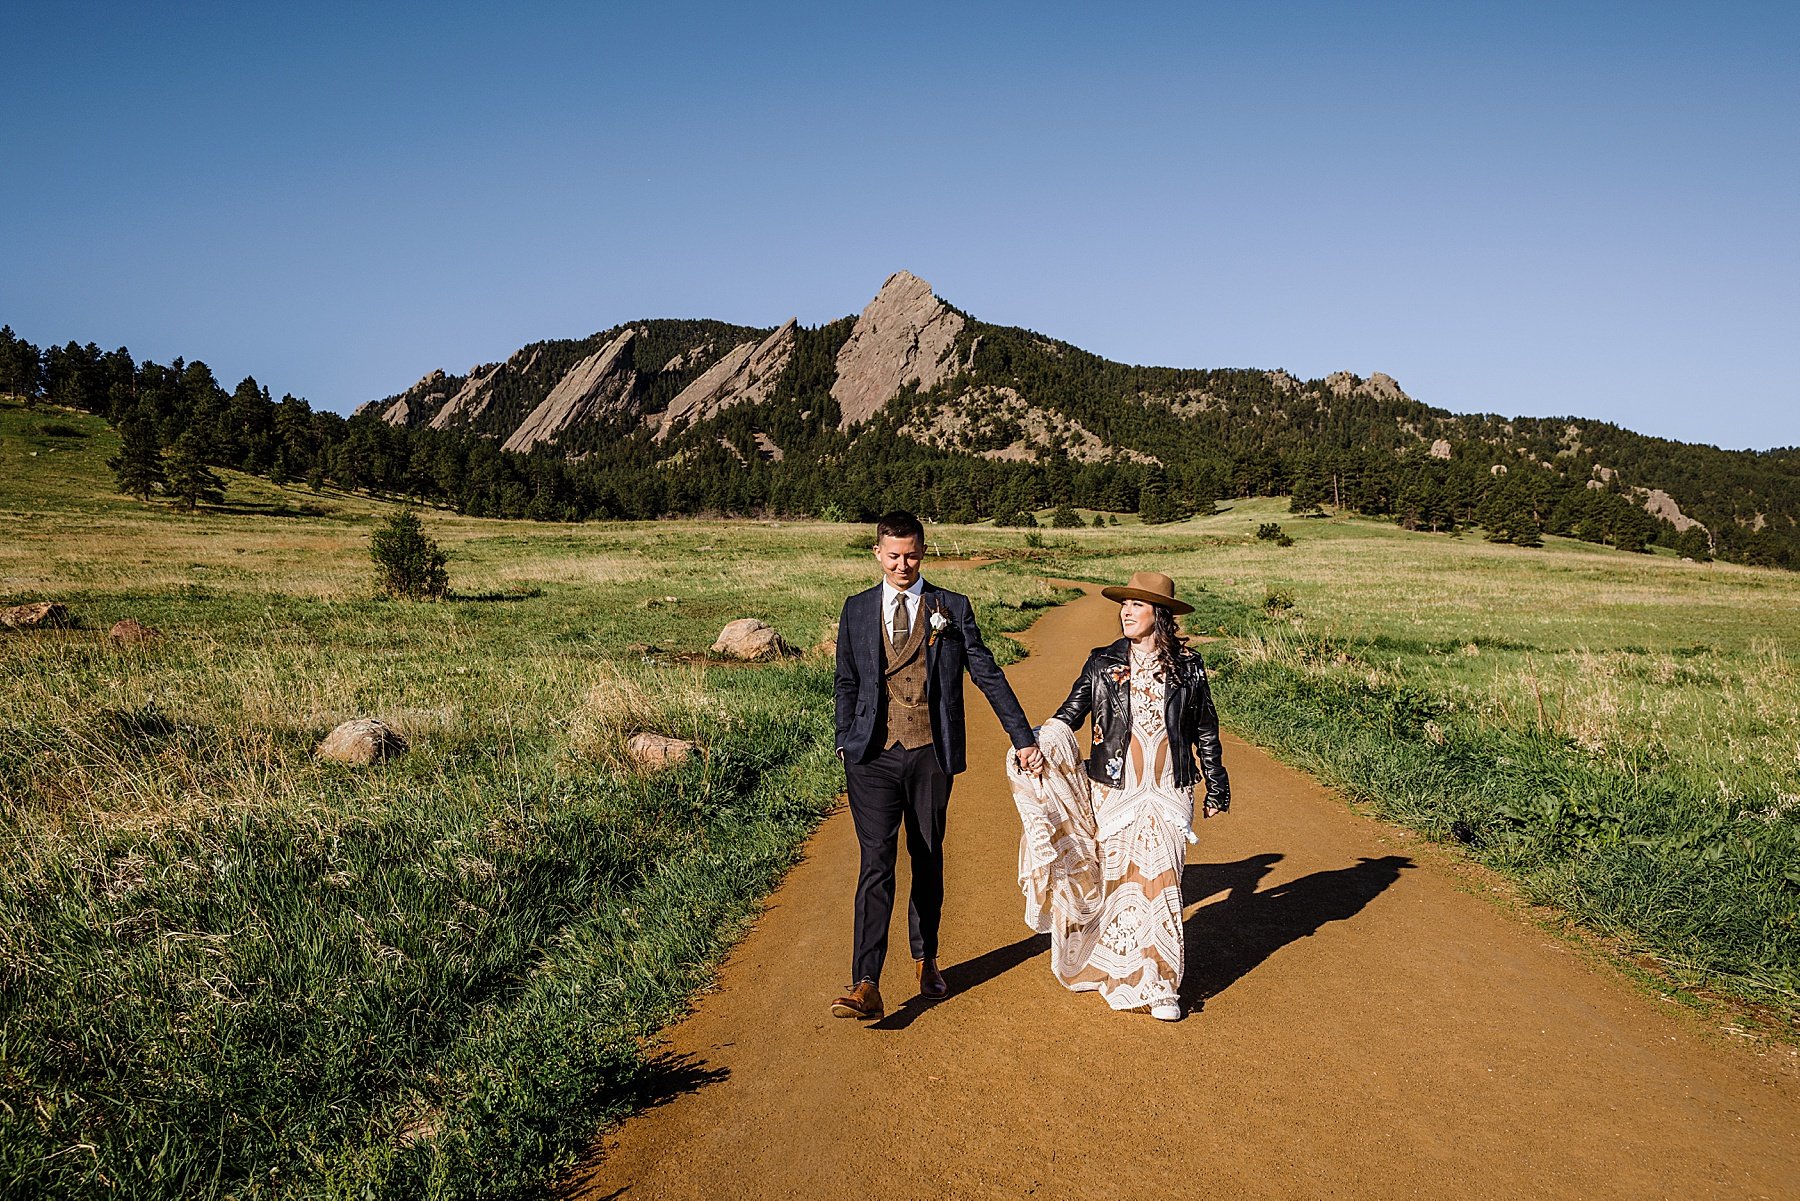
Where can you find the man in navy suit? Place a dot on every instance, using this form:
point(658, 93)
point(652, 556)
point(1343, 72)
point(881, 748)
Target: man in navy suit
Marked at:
point(902, 648)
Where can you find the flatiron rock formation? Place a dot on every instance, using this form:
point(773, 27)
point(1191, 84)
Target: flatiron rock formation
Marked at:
point(903, 337)
point(470, 401)
point(1658, 503)
point(597, 382)
point(683, 414)
point(746, 374)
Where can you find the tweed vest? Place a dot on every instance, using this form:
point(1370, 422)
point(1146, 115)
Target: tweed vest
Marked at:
point(903, 675)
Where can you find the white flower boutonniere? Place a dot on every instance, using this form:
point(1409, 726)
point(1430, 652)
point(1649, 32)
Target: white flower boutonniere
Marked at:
point(938, 622)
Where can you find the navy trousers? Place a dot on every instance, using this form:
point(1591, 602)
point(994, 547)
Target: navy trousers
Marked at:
point(897, 789)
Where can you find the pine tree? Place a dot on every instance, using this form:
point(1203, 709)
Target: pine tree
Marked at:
point(20, 370)
point(1154, 505)
point(138, 467)
point(191, 482)
point(408, 564)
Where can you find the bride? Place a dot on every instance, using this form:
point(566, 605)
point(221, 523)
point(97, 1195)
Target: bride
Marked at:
point(1104, 840)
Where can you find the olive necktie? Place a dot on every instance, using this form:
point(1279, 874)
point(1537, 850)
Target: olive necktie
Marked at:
point(902, 627)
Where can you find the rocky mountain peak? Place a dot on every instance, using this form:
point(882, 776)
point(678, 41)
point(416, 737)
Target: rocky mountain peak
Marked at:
point(746, 373)
point(904, 336)
point(598, 382)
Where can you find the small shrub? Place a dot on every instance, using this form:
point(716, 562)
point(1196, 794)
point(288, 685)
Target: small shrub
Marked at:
point(1277, 600)
point(1099, 521)
point(1034, 540)
point(1269, 531)
point(408, 564)
point(61, 429)
point(1065, 518)
point(1284, 540)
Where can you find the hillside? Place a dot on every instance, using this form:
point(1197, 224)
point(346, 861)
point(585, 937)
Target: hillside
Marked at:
point(915, 403)
point(912, 379)
point(447, 972)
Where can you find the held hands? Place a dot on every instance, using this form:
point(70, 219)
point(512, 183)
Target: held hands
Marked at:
point(1031, 759)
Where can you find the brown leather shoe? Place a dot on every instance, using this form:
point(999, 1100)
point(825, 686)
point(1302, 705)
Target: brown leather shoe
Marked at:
point(931, 981)
point(862, 1002)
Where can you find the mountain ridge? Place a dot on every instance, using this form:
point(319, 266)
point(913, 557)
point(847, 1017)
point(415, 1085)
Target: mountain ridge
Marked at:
point(915, 403)
point(915, 375)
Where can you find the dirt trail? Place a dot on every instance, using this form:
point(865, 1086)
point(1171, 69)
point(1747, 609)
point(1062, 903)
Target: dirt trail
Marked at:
point(1371, 1028)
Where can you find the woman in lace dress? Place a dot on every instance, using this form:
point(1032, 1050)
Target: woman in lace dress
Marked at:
point(1105, 839)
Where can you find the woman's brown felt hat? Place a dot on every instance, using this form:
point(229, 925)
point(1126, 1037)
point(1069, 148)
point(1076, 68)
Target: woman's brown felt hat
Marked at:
point(1152, 586)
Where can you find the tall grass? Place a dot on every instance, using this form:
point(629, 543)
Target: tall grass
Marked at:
point(1640, 843)
point(1617, 732)
point(230, 970)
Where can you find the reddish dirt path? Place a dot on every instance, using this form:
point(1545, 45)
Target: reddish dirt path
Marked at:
point(1373, 1026)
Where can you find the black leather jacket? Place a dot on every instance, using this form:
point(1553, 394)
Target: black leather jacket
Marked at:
point(1103, 688)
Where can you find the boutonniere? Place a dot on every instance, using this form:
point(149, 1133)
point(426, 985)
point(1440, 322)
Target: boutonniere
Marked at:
point(1120, 673)
point(939, 621)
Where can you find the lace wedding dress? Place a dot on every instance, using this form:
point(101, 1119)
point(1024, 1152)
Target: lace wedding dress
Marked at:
point(1100, 867)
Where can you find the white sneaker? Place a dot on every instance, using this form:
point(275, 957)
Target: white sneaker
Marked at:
point(1168, 1011)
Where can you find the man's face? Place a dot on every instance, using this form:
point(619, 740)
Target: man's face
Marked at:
point(899, 559)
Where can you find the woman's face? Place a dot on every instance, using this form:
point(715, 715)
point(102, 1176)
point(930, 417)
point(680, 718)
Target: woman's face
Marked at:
point(1137, 618)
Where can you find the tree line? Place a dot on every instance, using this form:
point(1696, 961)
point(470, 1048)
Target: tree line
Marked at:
point(1212, 435)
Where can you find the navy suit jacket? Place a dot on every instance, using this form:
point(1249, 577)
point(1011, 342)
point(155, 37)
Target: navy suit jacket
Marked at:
point(862, 698)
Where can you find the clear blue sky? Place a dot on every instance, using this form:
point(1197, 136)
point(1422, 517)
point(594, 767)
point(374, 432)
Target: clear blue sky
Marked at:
point(1511, 207)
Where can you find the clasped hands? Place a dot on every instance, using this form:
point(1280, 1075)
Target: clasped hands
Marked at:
point(1031, 759)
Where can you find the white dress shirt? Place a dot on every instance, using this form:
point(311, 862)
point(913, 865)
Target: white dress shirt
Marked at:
point(915, 597)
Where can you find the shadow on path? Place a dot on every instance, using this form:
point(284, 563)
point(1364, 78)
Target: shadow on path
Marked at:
point(961, 977)
point(1228, 939)
point(661, 1079)
point(667, 1076)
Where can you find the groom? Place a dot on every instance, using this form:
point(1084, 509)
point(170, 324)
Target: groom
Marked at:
point(902, 647)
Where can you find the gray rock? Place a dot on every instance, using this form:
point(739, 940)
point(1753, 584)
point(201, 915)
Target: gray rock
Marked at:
point(904, 336)
point(653, 751)
point(751, 640)
point(597, 383)
point(131, 630)
point(746, 374)
point(39, 615)
point(361, 740)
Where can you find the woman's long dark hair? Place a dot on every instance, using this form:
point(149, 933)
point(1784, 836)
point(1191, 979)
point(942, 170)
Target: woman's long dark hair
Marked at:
point(1168, 641)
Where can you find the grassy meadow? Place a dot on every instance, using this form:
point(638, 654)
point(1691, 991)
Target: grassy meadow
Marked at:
point(1618, 732)
point(229, 970)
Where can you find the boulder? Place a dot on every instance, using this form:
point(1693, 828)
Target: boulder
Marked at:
point(751, 640)
point(131, 630)
point(361, 740)
point(653, 751)
point(41, 615)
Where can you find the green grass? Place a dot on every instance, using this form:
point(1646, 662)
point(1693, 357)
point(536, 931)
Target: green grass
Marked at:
point(229, 970)
point(1617, 732)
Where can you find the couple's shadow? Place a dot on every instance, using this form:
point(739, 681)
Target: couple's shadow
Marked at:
point(1224, 940)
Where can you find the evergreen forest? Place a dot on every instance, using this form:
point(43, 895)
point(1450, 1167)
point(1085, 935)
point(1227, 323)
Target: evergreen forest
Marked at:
point(1033, 424)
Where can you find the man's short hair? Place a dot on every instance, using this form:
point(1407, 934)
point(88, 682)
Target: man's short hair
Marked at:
point(899, 524)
